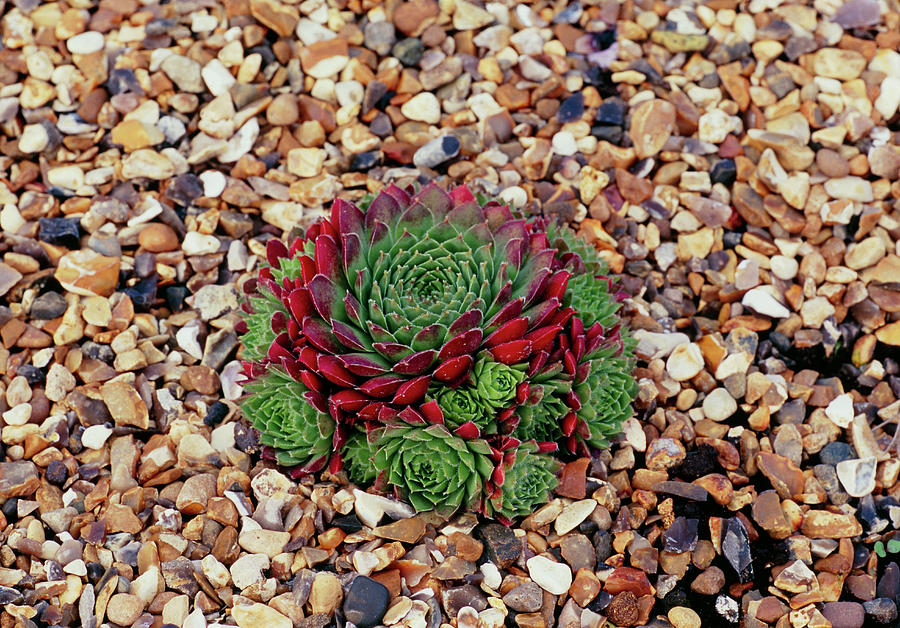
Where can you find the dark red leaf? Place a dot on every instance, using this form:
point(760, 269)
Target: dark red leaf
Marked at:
point(508, 312)
point(383, 386)
point(499, 475)
point(568, 424)
point(412, 391)
point(467, 430)
point(466, 321)
point(313, 382)
point(319, 335)
point(454, 369)
point(351, 400)
point(464, 344)
point(275, 250)
point(511, 352)
point(415, 363)
point(432, 412)
point(331, 369)
point(308, 268)
point(328, 258)
point(569, 363)
point(510, 330)
point(347, 335)
point(362, 365)
point(411, 416)
point(542, 338)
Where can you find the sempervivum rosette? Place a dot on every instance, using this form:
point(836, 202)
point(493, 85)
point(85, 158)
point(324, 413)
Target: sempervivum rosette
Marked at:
point(430, 322)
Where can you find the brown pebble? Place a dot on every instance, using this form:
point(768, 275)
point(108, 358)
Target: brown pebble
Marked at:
point(158, 238)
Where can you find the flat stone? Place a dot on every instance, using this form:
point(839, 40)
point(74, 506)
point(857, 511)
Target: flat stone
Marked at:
point(18, 479)
point(124, 609)
point(255, 615)
point(88, 273)
point(821, 524)
point(366, 602)
point(553, 577)
point(652, 123)
point(858, 476)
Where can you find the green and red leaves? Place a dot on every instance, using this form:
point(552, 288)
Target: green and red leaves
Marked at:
point(435, 328)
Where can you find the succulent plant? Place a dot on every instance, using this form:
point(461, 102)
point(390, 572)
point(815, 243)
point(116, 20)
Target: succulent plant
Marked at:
point(357, 456)
point(298, 434)
point(529, 481)
point(432, 468)
point(437, 344)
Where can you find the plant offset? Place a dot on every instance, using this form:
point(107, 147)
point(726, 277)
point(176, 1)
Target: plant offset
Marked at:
point(438, 347)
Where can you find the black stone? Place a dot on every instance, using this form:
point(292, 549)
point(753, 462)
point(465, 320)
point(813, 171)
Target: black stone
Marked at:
point(32, 374)
point(160, 26)
point(376, 91)
point(56, 472)
point(143, 293)
point(571, 108)
point(709, 81)
point(603, 548)
point(611, 112)
point(364, 161)
point(604, 39)
point(94, 571)
point(736, 547)
point(175, 296)
point(185, 188)
point(48, 306)
point(723, 171)
point(366, 602)
point(882, 611)
point(60, 232)
point(731, 239)
point(348, 523)
point(97, 351)
point(611, 134)
point(682, 535)
point(123, 80)
point(502, 545)
point(10, 509)
point(408, 51)
point(215, 414)
point(836, 452)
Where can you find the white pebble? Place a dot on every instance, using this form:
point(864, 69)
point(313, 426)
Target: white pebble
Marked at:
point(553, 577)
point(95, 436)
point(213, 183)
point(85, 43)
point(196, 243)
point(840, 410)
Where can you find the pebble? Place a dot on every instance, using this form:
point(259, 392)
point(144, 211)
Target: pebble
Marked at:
point(437, 151)
point(684, 362)
point(423, 107)
point(366, 602)
point(719, 405)
point(553, 577)
point(857, 476)
point(255, 614)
